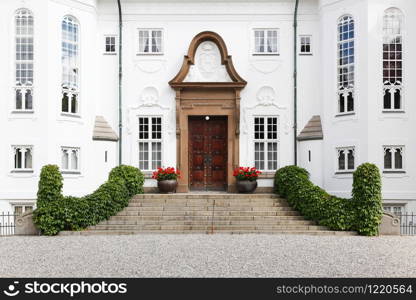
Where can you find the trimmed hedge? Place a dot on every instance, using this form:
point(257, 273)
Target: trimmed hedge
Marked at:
point(56, 212)
point(362, 213)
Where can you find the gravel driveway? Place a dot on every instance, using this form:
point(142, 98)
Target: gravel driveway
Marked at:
point(208, 256)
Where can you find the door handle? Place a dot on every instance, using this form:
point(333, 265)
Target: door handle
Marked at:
point(207, 159)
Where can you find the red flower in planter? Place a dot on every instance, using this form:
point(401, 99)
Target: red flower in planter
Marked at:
point(168, 173)
point(246, 173)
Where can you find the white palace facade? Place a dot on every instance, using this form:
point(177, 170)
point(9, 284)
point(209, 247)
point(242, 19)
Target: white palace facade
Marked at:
point(206, 86)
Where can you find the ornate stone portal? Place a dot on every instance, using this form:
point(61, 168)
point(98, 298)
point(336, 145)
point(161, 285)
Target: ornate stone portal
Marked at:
point(207, 85)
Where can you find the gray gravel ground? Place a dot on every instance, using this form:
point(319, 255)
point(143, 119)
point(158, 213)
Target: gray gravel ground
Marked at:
point(208, 256)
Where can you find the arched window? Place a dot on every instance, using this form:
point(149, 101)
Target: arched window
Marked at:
point(24, 60)
point(392, 59)
point(70, 65)
point(346, 64)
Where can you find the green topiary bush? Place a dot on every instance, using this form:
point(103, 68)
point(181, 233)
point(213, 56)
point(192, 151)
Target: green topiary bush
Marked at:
point(366, 193)
point(50, 185)
point(59, 213)
point(361, 213)
point(134, 180)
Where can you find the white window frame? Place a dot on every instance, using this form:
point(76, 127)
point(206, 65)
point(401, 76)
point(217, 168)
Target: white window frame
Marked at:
point(266, 41)
point(71, 170)
point(309, 36)
point(266, 141)
point(393, 208)
point(149, 141)
point(149, 32)
point(393, 84)
point(24, 168)
point(346, 162)
point(24, 207)
point(393, 149)
point(345, 86)
point(71, 69)
point(115, 44)
point(24, 89)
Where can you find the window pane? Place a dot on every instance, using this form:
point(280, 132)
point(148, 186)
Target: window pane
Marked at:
point(387, 159)
point(28, 159)
point(156, 128)
point(350, 160)
point(65, 102)
point(143, 156)
point(74, 160)
point(144, 41)
point(24, 47)
point(398, 159)
point(341, 103)
point(387, 99)
point(143, 128)
point(18, 210)
point(18, 158)
point(271, 156)
point(65, 159)
point(350, 102)
point(70, 69)
point(259, 41)
point(18, 99)
point(341, 160)
point(397, 99)
point(259, 155)
point(271, 128)
point(74, 104)
point(28, 99)
point(346, 62)
point(258, 128)
point(156, 155)
point(392, 47)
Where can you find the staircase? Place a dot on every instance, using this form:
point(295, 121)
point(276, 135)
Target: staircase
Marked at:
point(207, 213)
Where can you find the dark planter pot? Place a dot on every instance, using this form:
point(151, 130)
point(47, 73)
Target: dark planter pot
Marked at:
point(167, 186)
point(246, 186)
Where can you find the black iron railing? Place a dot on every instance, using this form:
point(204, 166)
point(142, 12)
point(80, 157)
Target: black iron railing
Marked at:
point(7, 223)
point(407, 223)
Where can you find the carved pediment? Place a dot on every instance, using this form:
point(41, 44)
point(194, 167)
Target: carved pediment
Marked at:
point(207, 63)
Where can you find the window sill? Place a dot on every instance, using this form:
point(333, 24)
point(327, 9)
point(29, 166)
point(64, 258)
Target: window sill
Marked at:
point(266, 54)
point(17, 171)
point(392, 111)
point(70, 115)
point(394, 174)
point(344, 114)
point(305, 54)
point(110, 53)
point(267, 175)
point(70, 172)
point(150, 54)
point(344, 172)
point(23, 112)
point(148, 174)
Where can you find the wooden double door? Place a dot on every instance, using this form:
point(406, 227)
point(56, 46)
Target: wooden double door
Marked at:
point(208, 153)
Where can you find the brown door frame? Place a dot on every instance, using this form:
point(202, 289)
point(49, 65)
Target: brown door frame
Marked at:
point(207, 99)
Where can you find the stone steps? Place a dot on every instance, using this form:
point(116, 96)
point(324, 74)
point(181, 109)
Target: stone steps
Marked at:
point(191, 203)
point(207, 227)
point(129, 232)
point(206, 222)
point(205, 196)
point(207, 217)
point(207, 208)
point(207, 213)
